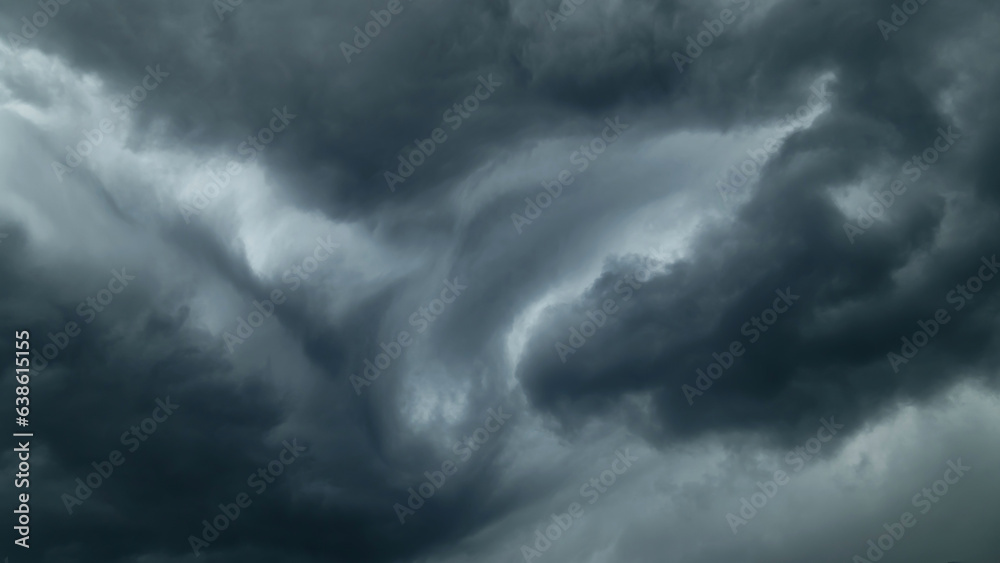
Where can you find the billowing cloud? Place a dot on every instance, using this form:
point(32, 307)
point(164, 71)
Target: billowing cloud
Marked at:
point(503, 281)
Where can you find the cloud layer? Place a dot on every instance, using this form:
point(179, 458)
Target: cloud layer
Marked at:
point(688, 230)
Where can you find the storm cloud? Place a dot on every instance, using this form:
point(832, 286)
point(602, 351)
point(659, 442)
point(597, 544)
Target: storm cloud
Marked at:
point(442, 281)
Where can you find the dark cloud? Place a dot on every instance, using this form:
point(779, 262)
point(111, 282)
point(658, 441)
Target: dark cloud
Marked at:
point(644, 204)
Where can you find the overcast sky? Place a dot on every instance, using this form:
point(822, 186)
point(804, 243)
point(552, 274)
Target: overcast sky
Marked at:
point(455, 281)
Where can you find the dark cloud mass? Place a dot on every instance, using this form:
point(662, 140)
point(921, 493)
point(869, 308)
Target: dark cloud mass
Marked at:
point(440, 281)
